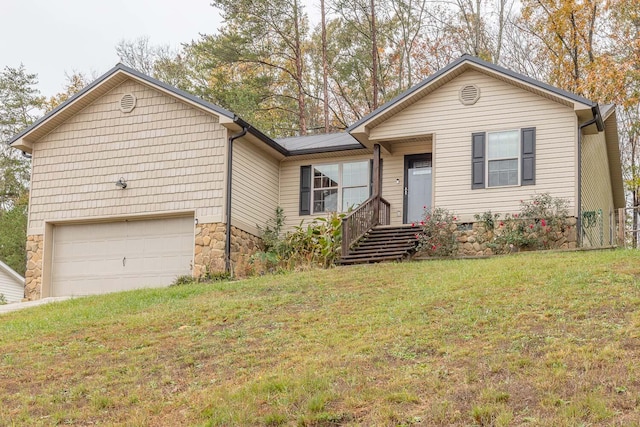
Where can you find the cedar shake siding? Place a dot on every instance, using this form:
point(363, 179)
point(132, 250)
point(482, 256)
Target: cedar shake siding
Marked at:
point(171, 155)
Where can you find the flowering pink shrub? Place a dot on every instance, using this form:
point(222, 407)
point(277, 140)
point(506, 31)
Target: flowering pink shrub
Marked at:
point(539, 225)
point(437, 237)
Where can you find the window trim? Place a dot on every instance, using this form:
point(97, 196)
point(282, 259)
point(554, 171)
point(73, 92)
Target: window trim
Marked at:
point(340, 187)
point(518, 158)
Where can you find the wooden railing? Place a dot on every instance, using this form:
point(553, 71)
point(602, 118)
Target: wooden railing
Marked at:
point(374, 211)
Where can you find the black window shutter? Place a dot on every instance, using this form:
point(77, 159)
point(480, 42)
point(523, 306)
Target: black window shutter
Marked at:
point(305, 190)
point(371, 177)
point(477, 160)
point(528, 155)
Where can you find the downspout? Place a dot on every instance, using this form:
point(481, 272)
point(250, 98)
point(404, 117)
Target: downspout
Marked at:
point(597, 119)
point(227, 244)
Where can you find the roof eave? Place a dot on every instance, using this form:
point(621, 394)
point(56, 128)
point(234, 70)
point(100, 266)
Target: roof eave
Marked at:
point(326, 149)
point(18, 278)
point(22, 145)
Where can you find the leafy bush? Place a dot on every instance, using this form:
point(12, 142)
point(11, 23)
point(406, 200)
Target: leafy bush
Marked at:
point(540, 224)
point(3, 299)
point(488, 219)
point(437, 235)
point(275, 247)
point(271, 233)
point(317, 243)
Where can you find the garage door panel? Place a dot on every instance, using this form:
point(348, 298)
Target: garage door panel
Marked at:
point(107, 257)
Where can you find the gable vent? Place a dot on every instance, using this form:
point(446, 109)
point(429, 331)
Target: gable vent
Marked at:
point(127, 103)
point(469, 94)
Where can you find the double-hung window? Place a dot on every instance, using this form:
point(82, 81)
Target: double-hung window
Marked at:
point(339, 187)
point(504, 158)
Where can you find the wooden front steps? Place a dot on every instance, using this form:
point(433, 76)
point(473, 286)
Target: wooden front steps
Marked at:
point(383, 243)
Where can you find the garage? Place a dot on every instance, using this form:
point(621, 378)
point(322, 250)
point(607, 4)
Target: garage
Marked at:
point(115, 256)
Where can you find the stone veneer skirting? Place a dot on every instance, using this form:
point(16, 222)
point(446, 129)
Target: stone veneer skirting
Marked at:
point(209, 250)
point(474, 241)
point(208, 255)
point(33, 274)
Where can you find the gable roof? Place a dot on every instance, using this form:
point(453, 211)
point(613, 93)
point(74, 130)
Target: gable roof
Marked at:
point(110, 80)
point(11, 273)
point(454, 69)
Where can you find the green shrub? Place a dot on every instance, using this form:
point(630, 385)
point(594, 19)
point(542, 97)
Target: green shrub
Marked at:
point(275, 248)
point(437, 234)
point(487, 219)
point(317, 243)
point(3, 299)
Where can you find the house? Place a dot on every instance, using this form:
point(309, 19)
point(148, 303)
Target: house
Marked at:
point(11, 284)
point(135, 182)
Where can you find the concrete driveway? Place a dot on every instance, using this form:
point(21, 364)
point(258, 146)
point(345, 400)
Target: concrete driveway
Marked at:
point(6, 308)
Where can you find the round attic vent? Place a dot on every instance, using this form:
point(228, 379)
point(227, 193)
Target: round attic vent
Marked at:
point(127, 103)
point(469, 94)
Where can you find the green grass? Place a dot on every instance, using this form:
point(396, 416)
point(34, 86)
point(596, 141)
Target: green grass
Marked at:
point(540, 339)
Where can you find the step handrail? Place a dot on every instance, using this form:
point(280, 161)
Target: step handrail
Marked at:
point(373, 211)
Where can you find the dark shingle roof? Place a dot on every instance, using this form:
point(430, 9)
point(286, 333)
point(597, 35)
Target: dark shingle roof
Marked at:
point(318, 143)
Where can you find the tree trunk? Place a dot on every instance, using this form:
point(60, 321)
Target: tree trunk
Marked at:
point(325, 72)
point(299, 70)
point(374, 56)
point(635, 212)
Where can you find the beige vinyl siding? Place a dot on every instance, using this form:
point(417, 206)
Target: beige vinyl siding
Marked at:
point(255, 186)
point(596, 189)
point(12, 290)
point(290, 187)
point(392, 169)
point(171, 155)
point(501, 107)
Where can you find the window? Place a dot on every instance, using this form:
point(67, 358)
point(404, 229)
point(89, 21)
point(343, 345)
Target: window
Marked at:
point(339, 187)
point(325, 188)
point(503, 157)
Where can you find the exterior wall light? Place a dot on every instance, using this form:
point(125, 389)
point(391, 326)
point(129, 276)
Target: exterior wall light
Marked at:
point(121, 183)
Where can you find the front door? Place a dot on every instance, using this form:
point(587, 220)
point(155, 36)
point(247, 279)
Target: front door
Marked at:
point(417, 186)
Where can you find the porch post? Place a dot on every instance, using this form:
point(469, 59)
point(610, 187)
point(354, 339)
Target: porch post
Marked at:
point(376, 183)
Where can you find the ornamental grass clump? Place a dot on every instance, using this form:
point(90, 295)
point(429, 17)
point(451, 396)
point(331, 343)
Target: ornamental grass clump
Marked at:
point(437, 233)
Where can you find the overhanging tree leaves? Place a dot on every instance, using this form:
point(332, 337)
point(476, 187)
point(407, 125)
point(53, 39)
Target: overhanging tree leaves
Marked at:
point(268, 38)
point(20, 104)
point(567, 31)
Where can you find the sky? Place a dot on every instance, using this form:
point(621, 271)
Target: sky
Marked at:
point(51, 37)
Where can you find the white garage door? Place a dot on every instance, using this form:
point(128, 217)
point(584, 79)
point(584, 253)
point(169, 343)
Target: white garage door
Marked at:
point(116, 256)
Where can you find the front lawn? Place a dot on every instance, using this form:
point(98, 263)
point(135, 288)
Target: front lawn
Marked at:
point(548, 339)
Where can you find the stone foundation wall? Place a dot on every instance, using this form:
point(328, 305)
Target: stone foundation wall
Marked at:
point(477, 240)
point(209, 249)
point(33, 274)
